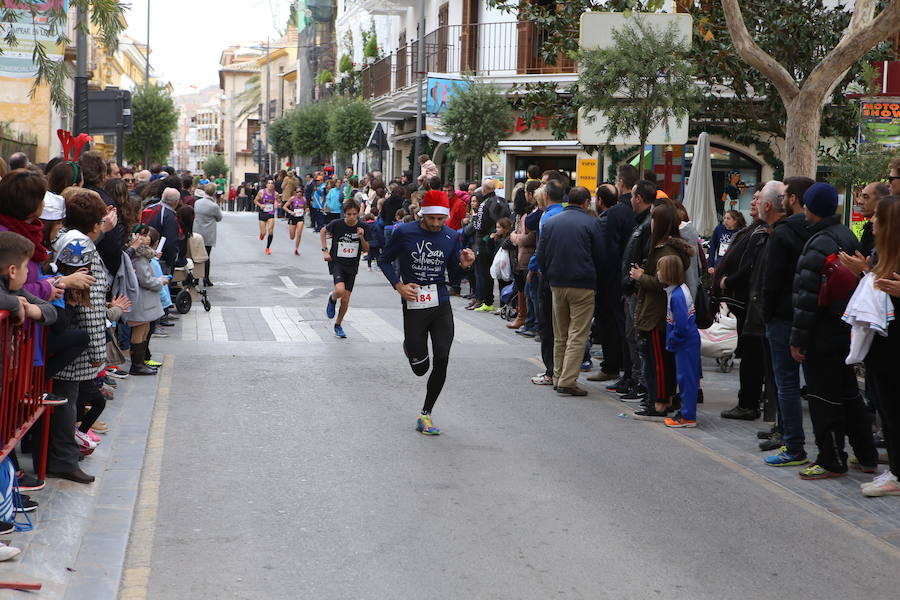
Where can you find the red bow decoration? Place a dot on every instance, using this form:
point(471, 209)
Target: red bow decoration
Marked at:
point(72, 145)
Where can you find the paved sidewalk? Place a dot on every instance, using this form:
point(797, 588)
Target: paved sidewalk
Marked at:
point(77, 547)
point(735, 444)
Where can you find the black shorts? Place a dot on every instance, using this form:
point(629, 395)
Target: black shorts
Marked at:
point(343, 273)
point(295, 220)
point(264, 216)
point(420, 323)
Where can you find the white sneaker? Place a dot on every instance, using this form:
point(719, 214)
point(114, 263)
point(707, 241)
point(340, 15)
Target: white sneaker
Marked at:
point(879, 479)
point(84, 441)
point(8, 552)
point(882, 486)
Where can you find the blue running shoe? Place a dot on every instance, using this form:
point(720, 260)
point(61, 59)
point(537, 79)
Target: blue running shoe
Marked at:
point(329, 308)
point(586, 366)
point(786, 458)
point(339, 332)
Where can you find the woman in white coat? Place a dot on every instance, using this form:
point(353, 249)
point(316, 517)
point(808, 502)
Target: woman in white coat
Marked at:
point(207, 215)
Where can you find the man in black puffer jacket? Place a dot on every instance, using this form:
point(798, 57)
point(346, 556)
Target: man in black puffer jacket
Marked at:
point(820, 340)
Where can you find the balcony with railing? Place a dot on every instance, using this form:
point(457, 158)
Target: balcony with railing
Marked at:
point(481, 49)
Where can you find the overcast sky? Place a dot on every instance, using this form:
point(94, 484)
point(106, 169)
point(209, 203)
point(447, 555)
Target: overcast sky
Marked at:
point(187, 36)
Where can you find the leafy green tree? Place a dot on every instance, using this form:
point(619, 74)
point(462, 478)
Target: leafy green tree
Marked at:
point(310, 126)
point(155, 120)
point(476, 120)
point(804, 96)
point(214, 166)
point(349, 126)
point(281, 135)
point(643, 81)
point(106, 15)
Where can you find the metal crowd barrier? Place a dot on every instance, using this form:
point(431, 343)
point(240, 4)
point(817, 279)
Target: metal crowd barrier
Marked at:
point(23, 385)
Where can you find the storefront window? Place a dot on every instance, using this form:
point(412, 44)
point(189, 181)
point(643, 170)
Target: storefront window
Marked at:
point(725, 162)
point(563, 164)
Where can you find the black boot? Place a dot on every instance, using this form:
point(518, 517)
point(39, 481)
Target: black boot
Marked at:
point(138, 352)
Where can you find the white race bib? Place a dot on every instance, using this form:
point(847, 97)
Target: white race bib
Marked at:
point(268, 208)
point(426, 297)
point(348, 249)
point(298, 212)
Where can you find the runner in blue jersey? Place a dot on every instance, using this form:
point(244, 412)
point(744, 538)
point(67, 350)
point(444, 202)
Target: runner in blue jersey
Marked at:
point(425, 251)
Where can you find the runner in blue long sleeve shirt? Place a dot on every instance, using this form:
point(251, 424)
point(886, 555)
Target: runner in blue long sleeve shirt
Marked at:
point(425, 250)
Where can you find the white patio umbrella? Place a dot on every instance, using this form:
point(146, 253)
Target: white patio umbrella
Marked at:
point(699, 198)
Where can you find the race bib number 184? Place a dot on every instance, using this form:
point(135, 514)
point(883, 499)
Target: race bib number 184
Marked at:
point(426, 297)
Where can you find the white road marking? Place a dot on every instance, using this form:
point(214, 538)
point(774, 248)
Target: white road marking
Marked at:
point(275, 325)
point(469, 334)
point(372, 327)
point(291, 288)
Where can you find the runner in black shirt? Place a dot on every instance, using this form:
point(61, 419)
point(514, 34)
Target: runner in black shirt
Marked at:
point(348, 242)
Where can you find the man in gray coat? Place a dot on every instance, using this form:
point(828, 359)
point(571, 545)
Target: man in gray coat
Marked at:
point(207, 215)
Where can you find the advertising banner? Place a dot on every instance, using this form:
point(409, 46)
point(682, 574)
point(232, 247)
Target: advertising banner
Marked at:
point(30, 31)
point(439, 93)
point(880, 122)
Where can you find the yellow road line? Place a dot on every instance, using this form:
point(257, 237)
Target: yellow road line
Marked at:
point(136, 575)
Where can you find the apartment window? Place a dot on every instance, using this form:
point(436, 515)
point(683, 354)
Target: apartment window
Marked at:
point(252, 133)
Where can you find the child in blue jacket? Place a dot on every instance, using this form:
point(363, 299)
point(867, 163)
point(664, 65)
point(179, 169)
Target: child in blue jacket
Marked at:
point(682, 338)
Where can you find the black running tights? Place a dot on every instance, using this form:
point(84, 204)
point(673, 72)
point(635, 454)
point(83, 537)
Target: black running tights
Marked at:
point(417, 326)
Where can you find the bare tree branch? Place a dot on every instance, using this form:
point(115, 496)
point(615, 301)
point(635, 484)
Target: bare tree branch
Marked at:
point(859, 38)
point(755, 56)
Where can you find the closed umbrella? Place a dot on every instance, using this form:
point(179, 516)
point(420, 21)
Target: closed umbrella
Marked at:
point(699, 197)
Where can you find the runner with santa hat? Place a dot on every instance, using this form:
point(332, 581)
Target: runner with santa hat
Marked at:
point(425, 251)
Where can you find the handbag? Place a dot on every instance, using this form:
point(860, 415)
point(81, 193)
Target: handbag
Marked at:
point(114, 354)
point(705, 310)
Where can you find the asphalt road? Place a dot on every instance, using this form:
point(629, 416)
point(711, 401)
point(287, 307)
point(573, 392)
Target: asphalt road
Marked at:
point(291, 468)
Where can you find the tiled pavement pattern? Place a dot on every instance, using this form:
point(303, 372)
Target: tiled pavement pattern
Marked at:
point(736, 441)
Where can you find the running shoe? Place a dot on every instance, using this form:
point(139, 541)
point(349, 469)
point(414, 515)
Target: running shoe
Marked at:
point(586, 366)
point(155, 364)
point(680, 422)
point(296, 252)
point(329, 308)
point(117, 373)
point(785, 458)
point(888, 487)
point(854, 463)
point(268, 251)
point(83, 441)
point(485, 308)
point(49, 399)
point(24, 503)
point(29, 483)
point(542, 379)
point(8, 552)
point(650, 414)
point(426, 427)
point(94, 437)
point(815, 471)
point(878, 481)
point(339, 332)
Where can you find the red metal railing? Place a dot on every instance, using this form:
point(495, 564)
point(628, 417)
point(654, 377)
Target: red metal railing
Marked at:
point(511, 48)
point(23, 385)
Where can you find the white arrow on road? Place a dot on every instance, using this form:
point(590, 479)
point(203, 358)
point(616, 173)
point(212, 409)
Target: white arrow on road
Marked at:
point(291, 288)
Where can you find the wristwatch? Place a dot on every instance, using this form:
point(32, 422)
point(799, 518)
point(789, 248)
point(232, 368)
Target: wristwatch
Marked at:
point(324, 249)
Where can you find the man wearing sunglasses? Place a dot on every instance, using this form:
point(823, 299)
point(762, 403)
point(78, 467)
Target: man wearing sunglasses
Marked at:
point(894, 177)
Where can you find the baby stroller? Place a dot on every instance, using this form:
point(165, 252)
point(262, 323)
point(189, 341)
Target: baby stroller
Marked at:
point(719, 341)
point(507, 295)
point(184, 278)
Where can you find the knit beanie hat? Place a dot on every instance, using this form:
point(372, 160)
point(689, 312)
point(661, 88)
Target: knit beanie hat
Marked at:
point(821, 199)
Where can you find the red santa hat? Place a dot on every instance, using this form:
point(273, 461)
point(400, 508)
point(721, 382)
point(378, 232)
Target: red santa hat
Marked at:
point(435, 202)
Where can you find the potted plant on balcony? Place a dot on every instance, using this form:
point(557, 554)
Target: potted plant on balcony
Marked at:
point(346, 64)
point(325, 78)
point(370, 48)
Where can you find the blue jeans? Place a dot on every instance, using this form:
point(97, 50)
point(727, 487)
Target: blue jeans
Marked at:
point(787, 380)
point(532, 300)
